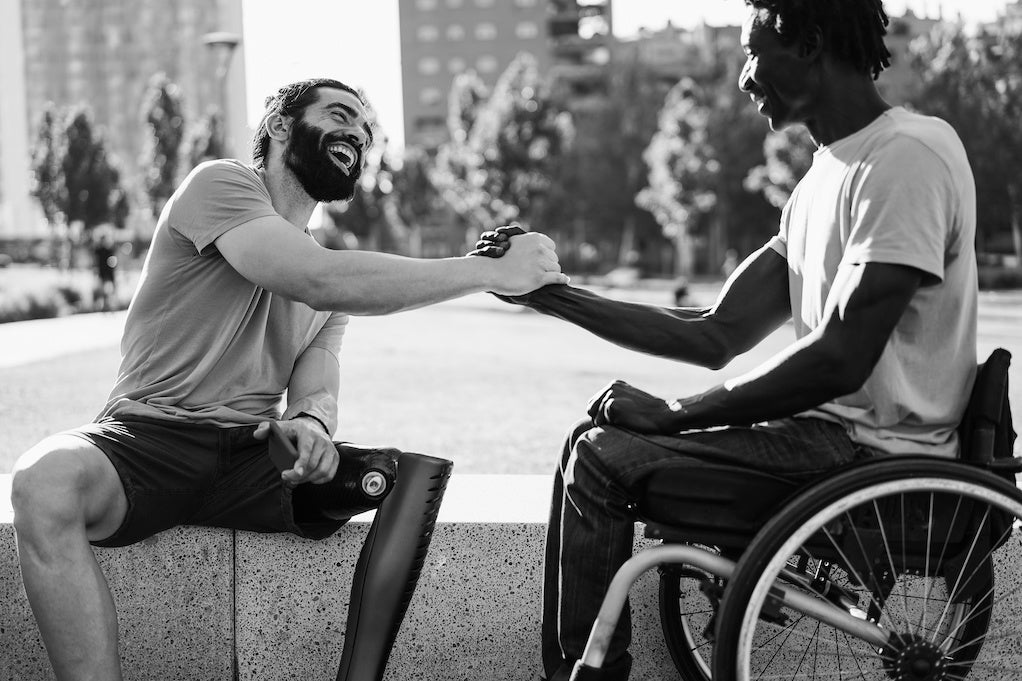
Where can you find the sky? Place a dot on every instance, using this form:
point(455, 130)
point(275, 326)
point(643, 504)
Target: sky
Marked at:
point(357, 41)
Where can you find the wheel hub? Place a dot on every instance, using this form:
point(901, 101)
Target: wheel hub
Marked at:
point(913, 658)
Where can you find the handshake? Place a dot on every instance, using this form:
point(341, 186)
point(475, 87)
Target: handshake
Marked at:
point(495, 243)
point(530, 264)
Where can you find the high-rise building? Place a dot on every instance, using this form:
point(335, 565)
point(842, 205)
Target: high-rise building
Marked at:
point(442, 38)
point(103, 53)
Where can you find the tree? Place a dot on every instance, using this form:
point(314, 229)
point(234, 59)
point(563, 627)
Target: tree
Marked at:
point(604, 170)
point(458, 162)
point(682, 167)
point(206, 139)
point(504, 150)
point(162, 112)
point(707, 140)
point(974, 82)
point(47, 181)
point(90, 178)
point(788, 153)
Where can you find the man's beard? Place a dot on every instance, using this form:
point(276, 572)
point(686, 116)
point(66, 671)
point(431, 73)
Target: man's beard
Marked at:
point(306, 156)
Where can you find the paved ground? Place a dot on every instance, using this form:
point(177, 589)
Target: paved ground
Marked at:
point(491, 386)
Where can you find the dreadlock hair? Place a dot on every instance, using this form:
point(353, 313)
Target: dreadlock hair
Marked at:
point(292, 100)
point(853, 30)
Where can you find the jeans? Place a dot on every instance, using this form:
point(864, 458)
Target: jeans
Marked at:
point(592, 520)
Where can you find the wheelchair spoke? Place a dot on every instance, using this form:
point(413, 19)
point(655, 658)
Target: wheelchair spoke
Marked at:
point(958, 580)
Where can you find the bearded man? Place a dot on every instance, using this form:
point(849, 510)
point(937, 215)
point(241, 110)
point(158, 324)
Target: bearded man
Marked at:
point(236, 306)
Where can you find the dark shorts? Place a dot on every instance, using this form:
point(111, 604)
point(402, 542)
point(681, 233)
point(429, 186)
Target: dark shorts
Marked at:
point(190, 474)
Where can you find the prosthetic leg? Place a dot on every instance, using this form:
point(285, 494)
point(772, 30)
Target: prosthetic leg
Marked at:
point(389, 565)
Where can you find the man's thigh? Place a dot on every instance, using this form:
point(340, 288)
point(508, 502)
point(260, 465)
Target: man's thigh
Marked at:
point(799, 448)
point(166, 468)
point(64, 472)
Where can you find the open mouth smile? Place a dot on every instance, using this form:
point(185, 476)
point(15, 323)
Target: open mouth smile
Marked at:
point(343, 155)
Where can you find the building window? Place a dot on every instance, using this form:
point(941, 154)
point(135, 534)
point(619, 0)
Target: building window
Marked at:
point(427, 33)
point(429, 66)
point(427, 122)
point(526, 30)
point(425, 5)
point(456, 65)
point(486, 31)
point(431, 96)
point(487, 64)
point(455, 32)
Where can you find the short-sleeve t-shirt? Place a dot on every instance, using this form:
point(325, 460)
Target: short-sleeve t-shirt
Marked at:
point(201, 343)
point(899, 191)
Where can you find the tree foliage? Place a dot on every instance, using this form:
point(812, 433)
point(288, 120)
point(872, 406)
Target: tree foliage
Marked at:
point(604, 170)
point(788, 153)
point(91, 182)
point(163, 113)
point(206, 139)
point(505, 149)
point(974, 82)
point(47, 179)
point(707, 140)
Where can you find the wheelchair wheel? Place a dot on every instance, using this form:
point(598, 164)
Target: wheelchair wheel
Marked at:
point(906, 543)
point(689, 599)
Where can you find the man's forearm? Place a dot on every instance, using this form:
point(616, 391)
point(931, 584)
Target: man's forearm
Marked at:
point(361, 282)
point(684, 334)
point(798, 379)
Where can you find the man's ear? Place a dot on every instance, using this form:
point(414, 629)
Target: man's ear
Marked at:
point(812, 44)
point(278, 127)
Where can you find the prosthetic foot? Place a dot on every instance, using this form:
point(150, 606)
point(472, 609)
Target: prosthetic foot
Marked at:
point(389, 565)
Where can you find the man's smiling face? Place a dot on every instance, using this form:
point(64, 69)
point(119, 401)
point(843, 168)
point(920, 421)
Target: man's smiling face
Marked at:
point(776, 76)
point(327, 147)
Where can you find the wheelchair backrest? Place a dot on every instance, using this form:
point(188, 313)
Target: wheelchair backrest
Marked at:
point(986, 432)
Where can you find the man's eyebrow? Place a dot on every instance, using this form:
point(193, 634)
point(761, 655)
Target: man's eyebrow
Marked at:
point(351, 112)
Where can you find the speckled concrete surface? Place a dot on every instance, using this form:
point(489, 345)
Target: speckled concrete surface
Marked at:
point(475, 613)
point(174, 603)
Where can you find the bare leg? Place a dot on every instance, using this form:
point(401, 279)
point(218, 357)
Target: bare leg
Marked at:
point(65, 493)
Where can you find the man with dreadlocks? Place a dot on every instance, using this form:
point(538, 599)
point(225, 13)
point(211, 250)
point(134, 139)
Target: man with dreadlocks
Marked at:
point(236, 306)
point(873, 264)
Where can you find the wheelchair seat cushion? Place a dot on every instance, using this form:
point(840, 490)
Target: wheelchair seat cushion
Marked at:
point(721, 502)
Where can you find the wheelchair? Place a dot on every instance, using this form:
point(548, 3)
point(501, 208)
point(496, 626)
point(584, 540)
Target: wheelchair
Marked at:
point(884, 569)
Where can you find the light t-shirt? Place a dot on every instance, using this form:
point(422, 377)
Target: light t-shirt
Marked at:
point(899, 191)
point(202, 343)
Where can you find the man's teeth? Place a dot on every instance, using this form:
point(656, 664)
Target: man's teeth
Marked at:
point(344, 151)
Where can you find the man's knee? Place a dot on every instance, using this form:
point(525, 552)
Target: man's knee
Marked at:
point(574, 435)
point(62, 483)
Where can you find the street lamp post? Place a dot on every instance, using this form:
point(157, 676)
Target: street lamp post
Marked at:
point(222, 44)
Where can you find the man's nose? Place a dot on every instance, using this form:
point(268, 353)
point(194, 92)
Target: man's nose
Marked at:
point(357, 135)
point(746, 82)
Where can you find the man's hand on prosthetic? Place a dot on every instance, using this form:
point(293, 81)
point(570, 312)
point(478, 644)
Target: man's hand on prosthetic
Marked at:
point(625, 406)
point(317, 456)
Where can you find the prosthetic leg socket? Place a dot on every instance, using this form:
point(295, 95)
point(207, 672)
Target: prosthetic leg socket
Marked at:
point(389, 565)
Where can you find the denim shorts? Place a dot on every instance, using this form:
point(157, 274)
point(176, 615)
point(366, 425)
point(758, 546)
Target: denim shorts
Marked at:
point(176, 473)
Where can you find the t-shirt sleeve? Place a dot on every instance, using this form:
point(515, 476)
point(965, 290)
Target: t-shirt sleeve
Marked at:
point(214, 199)
point(902, 208)
point(330, 336)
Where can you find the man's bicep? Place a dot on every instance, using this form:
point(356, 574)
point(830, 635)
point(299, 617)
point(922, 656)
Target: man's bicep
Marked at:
point(755, 299)
point(865, 305)
point(271, 253)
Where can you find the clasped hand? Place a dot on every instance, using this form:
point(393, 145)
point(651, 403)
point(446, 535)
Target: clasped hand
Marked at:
point(625, 406)
point(317, 456)
point(496, 243)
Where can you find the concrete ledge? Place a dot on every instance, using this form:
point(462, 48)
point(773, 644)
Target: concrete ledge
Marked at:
point(196, 603)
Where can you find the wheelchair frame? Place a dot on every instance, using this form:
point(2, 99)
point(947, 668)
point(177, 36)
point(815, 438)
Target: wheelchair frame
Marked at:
point(981, 476)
